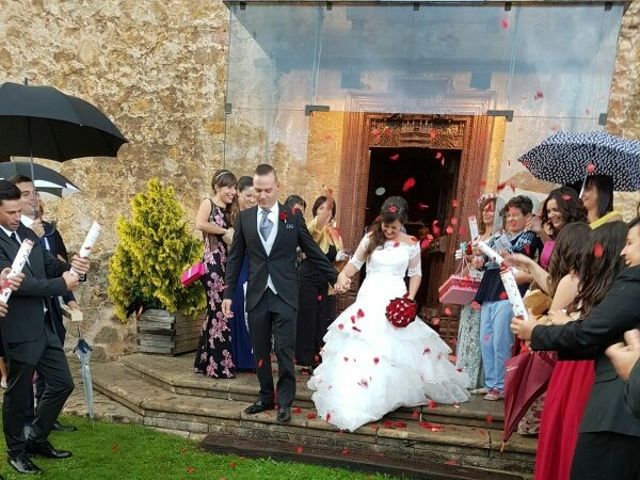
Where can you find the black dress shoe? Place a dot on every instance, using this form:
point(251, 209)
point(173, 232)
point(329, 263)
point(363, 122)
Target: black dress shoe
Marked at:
point(258, 407)
point(23, 464)
point(59, 427)
point(284, 414)
point(45, 449)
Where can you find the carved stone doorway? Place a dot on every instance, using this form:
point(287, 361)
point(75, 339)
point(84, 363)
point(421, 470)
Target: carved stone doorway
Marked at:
point(468, 135)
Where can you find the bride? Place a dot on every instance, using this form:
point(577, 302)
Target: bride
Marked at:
point(369, 367)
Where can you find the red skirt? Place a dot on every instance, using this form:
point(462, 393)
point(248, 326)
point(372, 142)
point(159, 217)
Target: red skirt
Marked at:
point(567, 397)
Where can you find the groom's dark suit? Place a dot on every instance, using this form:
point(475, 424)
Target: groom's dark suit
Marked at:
point(267, 311)
point(30, 342)
point(609, 435)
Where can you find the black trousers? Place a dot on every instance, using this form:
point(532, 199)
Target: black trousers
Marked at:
point(52, 363)
point(606, 455)
point(272, 315)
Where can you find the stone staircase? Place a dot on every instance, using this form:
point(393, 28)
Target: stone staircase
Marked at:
point(441, 442)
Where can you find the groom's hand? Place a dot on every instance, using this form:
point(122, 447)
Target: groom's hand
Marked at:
point(226, 308)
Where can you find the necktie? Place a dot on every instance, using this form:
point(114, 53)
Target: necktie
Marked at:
point(14, 237)
point(265, 225)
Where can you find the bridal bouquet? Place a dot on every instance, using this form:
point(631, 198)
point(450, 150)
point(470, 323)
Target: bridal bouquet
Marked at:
point(401, 312)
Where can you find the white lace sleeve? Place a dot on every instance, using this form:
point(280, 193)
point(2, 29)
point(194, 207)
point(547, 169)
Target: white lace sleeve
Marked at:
point(358, 258)
point(415, 263)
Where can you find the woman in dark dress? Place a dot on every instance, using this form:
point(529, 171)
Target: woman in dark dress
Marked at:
point(215, 219)
point(240, 341)
point(314, 315)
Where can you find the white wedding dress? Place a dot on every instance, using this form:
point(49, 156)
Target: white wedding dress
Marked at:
point(370, 368)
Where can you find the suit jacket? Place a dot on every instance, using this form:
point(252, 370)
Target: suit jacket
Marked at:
point(23, 326)
point(605, 325)
point(57, 247)
point(280, 263)
point(632, 394)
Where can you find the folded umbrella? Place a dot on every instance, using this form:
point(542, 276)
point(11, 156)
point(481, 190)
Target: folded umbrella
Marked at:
point(83, 352)
point(568, 157)
point(527, 377)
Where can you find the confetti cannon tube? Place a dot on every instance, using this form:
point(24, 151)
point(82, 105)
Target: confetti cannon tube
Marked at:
point(511, 287)
point(16, 268)
point(89, 241)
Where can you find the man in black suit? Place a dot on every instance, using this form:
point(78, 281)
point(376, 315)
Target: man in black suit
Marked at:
point(626, 360)
point(269, 235)
point(609, 439)
point(29, 339)
point(51, 240)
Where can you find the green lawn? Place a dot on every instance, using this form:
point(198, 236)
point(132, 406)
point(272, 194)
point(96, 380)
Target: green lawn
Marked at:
point(103, 450)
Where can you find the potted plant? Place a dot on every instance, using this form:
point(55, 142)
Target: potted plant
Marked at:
point(155, 246)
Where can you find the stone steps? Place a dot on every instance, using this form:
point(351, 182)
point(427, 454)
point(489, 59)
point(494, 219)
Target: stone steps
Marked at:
point(173, 374)
point(166, 396)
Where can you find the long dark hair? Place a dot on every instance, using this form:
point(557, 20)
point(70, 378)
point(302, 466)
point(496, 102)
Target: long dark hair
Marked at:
point(600, 264)
point(569, 205)
point(393, 208)
point(224, 178)
point(604, 185)
point(482, 228)
point(567, 252)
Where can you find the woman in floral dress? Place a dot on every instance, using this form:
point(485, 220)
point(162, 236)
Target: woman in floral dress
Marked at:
point(216, 217)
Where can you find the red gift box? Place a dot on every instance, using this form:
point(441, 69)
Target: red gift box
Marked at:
point(195, 272)
point(458, 290)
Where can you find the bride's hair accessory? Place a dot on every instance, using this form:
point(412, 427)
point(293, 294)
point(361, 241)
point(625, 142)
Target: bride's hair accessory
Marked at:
point(401, 312)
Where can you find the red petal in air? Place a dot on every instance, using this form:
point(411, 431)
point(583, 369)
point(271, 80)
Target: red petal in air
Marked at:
point(503, 296)
point(346, 359)
point(438, 155)
point(395, 157)
point(319, 297)
point(422, 206)
point(566, 197)
point(475, 305)
point(432, 404)
point(435, 321)
point(454, 221)
point(447, 311)
point(426, 350)
point(316, 358)
point(591, 168)
point(455, 203)
point(356, 329)
point(408, 184)
point(449, 230)
point(376, 360)
point(504, 24)
point(260, 362)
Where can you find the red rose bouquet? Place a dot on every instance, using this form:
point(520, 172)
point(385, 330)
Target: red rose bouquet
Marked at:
point(401, 312)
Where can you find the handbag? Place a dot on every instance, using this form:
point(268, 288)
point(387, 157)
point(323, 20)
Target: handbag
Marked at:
point(193, 273)
point(458, 289)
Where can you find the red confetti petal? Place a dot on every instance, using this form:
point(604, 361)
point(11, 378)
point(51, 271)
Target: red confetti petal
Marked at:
point(566, 197)
point(435, 321)
point(346, 359)
point(312, 415)
point(425, 243)
point(341, 326)
point(538, 95)
point(316, 358)
point(400, 424)
point(296, 410)
point(487, 337)
point(591, 168)
point(353, 319)
point(376, 360)
point(489, 419)
point(299, 450)
point(438, 155)
point(345, 452)
point(319, 297)
point(453, 461)
point(449, 229)
point(422, 206)
point(408, 184)
point(455, 203)
point(454, 221)
point(598, 250)
point(432, 404)
point(395, 157)
point(260, 362)
point(426, 350)
point(447, 311)
point(504, 24)
point(327, 417)
point(475, 306)
point(415, 414)
point(396, 245)
point(360, 313)
point(191, 469)
point(503, 296)
point(356, 329)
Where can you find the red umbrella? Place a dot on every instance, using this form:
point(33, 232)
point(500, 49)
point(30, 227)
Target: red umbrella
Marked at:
point(527, 376)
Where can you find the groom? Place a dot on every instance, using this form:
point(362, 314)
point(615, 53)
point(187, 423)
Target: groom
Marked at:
point(269, 235)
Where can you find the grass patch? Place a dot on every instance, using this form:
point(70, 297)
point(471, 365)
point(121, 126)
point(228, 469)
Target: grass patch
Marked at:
point(108, 451)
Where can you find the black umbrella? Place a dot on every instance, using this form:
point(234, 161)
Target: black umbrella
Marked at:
point(44, 179)
point(568, 157)
point(44, 122)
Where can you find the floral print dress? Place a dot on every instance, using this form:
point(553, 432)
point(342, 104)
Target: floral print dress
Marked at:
point(213, 357)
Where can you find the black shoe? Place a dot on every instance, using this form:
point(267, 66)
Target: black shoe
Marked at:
point(45, 449)
point(258, 407)
point(23, 464)
point(284, 414)
point(59, 427)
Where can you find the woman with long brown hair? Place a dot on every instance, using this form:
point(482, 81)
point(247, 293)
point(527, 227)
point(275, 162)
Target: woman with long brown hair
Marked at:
point(215, 219)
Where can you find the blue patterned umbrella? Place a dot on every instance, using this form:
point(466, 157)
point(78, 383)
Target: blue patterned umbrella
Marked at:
point(568, 157)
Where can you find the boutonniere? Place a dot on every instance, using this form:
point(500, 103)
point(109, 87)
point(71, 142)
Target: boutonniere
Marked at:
point(283, 217)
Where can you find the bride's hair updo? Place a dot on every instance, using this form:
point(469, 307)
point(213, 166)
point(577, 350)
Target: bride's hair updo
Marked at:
point(393, 208)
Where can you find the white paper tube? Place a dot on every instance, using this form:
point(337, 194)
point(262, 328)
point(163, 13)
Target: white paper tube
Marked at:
point(490, 252)
point(511, 287)
point(473, 227)
point(16, 268)
point(90, 240)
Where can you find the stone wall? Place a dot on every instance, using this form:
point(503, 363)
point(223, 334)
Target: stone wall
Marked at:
point(624, 101)
point(158, 69)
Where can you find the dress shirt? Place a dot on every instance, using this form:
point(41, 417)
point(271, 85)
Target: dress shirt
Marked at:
point(268, 243)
